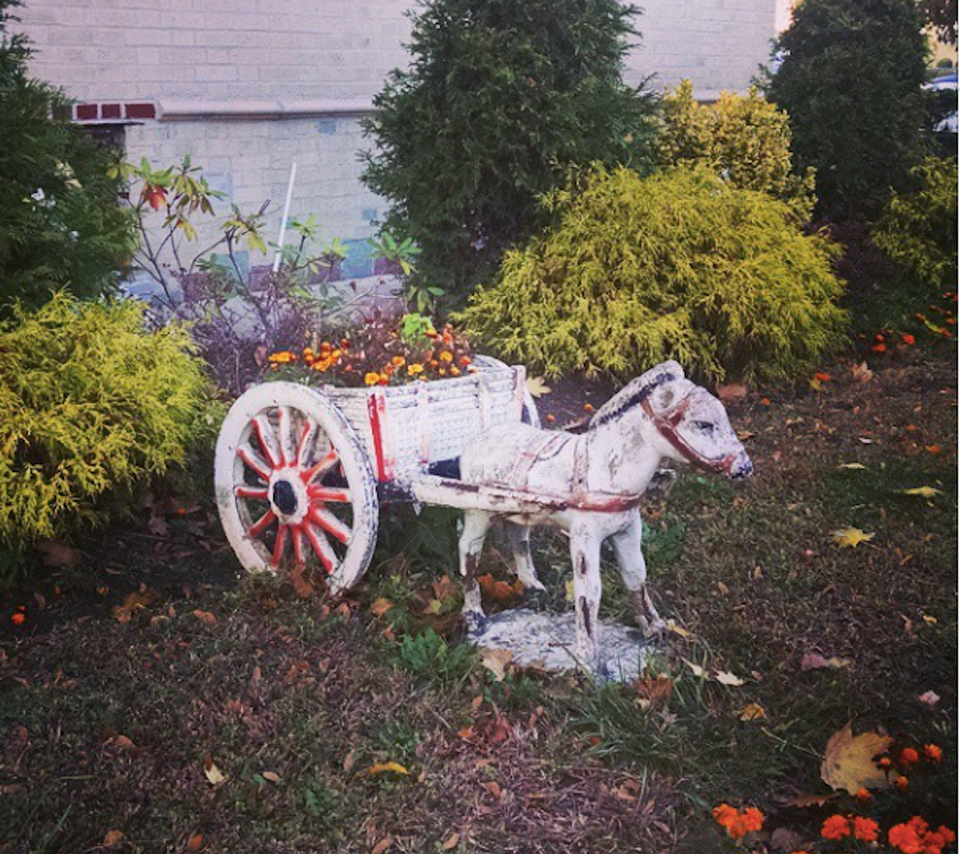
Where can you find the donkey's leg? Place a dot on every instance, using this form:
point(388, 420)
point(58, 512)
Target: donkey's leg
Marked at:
point(519, 536)
point(633, 568)
point(585, 555)
point(476, 524)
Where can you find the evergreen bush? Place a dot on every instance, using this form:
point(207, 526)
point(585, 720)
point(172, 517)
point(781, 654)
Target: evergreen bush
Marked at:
point(850, 82)
point(60, 221)
point(502, 99)
point(90, 403)
point(678, 265)
point(746, 139)
point(919, 229)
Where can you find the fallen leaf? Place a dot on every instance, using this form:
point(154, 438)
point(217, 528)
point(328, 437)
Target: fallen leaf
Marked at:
point(205, 617)
point(134, 602)
point(387, 767)
point(57, 554)
point(196, 842)
point(815, 661)
point(348, 760)
point(214, 775)
point(725, 678)
point(864, 440)
point(493, 788)
point(744, 435)
point(753, 712)
point(380, 607)
point(272, 776)
point(851, 537)
point(537, 387)
point(157, 525)
point(848, 760)
point(933, 449)
point(929, 698)
point(677, 629)
point(698, 671)
point(930, 621)
point(299, 582)
point(496, 661)
point(122, 742)
point(861, 373)
point(450, 842)
point(434, 607)
point(923, 491)
point(382, 845)
point(852, 466)
point(731, 393)
point(113, 838)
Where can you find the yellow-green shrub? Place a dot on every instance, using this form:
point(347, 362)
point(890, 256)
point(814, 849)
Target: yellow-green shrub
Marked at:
point(744, 139)
point(90, 402)
point(919, 229)
point(678, 265)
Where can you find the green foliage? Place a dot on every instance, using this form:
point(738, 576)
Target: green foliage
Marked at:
point(60, 222)
point(429, 656)
point(850, 82)
point(919, 229)
point(496, 108)
point(744, 139)
point(677, 265)
point(90, 403)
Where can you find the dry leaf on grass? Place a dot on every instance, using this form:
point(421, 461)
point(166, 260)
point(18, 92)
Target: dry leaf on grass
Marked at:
point(205, 617)
point(537, 387)
point(850, 538)
point(196, 842)
point(496, 661)
point(450, 842)
point(387, 767)
point(929, 698)
point(113, 838)
point(728, 679)
point(815, 661)
point(57, 554)
point(214, 775)
point(382, 845)
point(753, 712)
point(731, 393)
point(854, 466)
point(923, 491)
point(380, 607)
point(848, 761)
point(134, 602)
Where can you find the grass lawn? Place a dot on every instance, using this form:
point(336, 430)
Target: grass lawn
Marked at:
point(249, 715)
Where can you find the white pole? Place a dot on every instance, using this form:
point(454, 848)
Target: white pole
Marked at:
point(283, 220)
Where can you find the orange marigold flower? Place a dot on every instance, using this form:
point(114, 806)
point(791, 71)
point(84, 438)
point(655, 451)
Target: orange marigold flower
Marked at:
point(751, 819)
point(919, 824)
point(863, 795)
point(909, 756)
point(885, 762)
point(835, 827)
point(371, 378)
point(442, 372)
point(902, 783)
point(880, 348)
point(588, 407)
point(725, 815)
point(909, 340)
point(948, 835)
point(446, 356)
point(18, 618)
point(551, 419)
point(932, 752)
point(464, 361)
point(454, 371)
point(822, 377)
point(865, 829)
point(384, 380)
point(906, 838)
point(414, 369)
point(398, 361)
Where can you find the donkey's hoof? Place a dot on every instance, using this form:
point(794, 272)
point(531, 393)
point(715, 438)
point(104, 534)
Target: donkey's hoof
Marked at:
point(475, 621)
point(651, 628)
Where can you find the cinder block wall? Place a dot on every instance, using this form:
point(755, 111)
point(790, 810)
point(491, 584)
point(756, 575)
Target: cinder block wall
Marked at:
point(294, 75)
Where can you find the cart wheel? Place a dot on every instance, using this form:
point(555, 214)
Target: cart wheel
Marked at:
point(294, 486)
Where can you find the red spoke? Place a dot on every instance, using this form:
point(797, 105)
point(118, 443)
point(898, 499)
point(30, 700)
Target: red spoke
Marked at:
point(279, 544)
point(283, 433)
point(308, 429)
point(262, 428)
point(254, 463)
point(330, 523)
point(297, 531)
point(321, 547)
point(322, 493)
point(322, 467)
point(252, 492)
point(261, 525)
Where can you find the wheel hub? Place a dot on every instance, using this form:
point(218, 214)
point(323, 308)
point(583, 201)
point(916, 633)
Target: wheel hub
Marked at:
point(288, 496)
point(284, 498)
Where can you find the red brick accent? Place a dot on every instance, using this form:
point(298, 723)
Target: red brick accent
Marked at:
point(110, 111)
point(87, 112)
point(140, 111)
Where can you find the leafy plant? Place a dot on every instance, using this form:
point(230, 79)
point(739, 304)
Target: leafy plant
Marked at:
point(92, 404)
point(919, 229)
point(678, 265)
point(850, 82)
point(428, 655)
point(494, 110)
point(60, 221)
point(746, 140)
point(422, 296)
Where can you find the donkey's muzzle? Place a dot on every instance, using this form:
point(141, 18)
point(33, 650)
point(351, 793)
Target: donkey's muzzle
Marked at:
point(741, 468)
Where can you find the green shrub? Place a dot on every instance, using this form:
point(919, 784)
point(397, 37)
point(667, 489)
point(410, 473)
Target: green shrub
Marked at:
point(919, 229)
point(678, 265)
point(745, 139)
point(496, 108)
point(60, 221)
point(90, 403)
point(850, 82)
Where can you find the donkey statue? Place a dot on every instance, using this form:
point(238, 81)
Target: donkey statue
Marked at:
point(592, 485)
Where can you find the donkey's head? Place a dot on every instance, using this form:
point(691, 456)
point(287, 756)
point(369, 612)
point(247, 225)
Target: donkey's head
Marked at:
point(690, 423)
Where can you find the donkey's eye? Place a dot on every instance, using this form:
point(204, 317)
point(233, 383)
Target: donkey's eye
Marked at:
point(704, 426)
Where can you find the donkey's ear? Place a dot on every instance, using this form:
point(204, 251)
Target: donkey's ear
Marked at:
point(672, 367)
point(667, 396)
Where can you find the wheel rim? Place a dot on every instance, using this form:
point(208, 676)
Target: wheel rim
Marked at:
point(294, 486)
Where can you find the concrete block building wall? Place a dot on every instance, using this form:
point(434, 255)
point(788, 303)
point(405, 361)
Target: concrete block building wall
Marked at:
point(248, 86)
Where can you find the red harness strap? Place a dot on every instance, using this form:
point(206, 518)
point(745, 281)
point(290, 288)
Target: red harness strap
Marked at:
point(667, 428)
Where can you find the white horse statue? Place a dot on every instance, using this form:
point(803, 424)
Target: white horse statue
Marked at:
point(595, 482)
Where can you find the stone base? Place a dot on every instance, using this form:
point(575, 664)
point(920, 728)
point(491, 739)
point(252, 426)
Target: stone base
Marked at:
point(548, 641)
